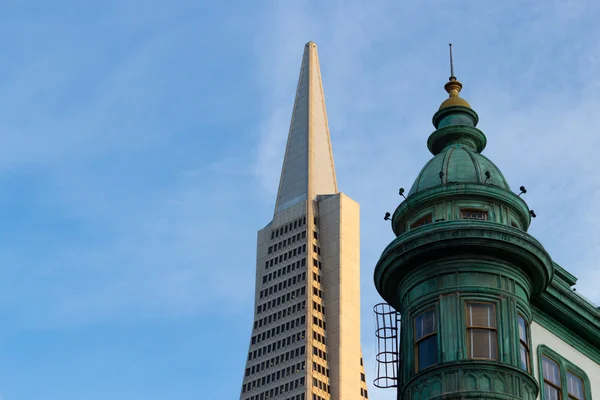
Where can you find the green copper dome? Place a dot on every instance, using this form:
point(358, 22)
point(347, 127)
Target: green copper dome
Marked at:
point(458, 179)
point(457, 145)
point(458, 163)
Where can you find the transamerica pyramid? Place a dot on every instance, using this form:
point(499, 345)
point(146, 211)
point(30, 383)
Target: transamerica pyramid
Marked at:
point(305, 340)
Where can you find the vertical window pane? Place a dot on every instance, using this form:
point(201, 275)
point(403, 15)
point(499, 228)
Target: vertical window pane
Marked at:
point(428, 352)
point(474, 214)
point(523, 329)
point(551, 371)
point(425, 324)
point(524, 344)
point(483, 315)
point(482, 338)
point(482, 343)
point(551, 393)
point(524, 358)
point(426, 347)
point(575, 386)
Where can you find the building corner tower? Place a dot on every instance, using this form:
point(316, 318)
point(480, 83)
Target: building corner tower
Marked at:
point(305, 341)
point(485, 311)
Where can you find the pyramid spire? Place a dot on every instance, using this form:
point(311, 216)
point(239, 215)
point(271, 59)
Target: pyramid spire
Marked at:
point(308, 168)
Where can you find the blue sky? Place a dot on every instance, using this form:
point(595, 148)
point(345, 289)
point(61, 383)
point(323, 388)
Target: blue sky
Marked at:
point(141, 144)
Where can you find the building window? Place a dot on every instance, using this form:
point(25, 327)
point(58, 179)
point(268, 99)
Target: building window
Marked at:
point(575, 386)
point(480, 215)
point(426, 345)
point(552, 385)
point(561, 379)
point(421, 221)
point(524, 344)
point(482, 336)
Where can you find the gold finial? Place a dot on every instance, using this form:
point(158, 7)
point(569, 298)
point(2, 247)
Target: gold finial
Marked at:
point(453, 87)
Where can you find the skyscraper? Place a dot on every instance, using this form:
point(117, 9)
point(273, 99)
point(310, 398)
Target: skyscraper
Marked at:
point(305, 342)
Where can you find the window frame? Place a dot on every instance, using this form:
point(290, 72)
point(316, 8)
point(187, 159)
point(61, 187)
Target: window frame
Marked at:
point(544, 381)
point(468, 327)
point(423, 219)
point(417, 342)
point(527, 345)
point(474, 209)
point(565, 366)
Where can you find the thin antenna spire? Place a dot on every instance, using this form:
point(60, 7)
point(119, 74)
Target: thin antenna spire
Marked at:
point(451, 63)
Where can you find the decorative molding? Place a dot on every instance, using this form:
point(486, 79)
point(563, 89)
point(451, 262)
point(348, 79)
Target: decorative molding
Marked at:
point(451, 192)
point(463, 134)
point(570, 310)
point(468, 239)
point(446, 111)
point(566, 334)
point(471, 379)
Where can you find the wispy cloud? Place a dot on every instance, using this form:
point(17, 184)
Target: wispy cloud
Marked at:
point(383, 80)
point(140, 149)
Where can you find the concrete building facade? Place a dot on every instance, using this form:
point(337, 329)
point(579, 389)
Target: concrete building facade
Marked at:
point(305, 341)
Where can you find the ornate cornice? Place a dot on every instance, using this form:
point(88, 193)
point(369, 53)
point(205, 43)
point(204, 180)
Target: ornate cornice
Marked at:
point(456, 134)
point(471, 379)
point(560, 304)
point(463, 238)
point(456, 109)
point(456, 191)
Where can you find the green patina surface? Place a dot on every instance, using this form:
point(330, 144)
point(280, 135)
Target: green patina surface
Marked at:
point(447, 261)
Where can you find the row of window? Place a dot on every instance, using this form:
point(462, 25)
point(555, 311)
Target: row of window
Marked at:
point(319, 338)
point(272, 362)
point(318, 307)
point(319, 322)
point(296, 397)
point(278, 329)
point(480, 215)
point(317, 292)
point(481, 333)
point(316, 277)
point(284, 270)
point(320, 369)
point(280, 300)
point(317, 397)
point(320, 353)
point(287, 242)
point(316, 249)
point(282, 285)
point(363, 393)
point(284, 257)
point(272, 393)
point(321, 385)
point(279, 314)
point(288, 227)
point(316, 263)
point(265, 380)
point(561, 379)
point(296, 337)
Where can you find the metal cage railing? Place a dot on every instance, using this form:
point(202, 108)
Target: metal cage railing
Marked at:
point(387, 332)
